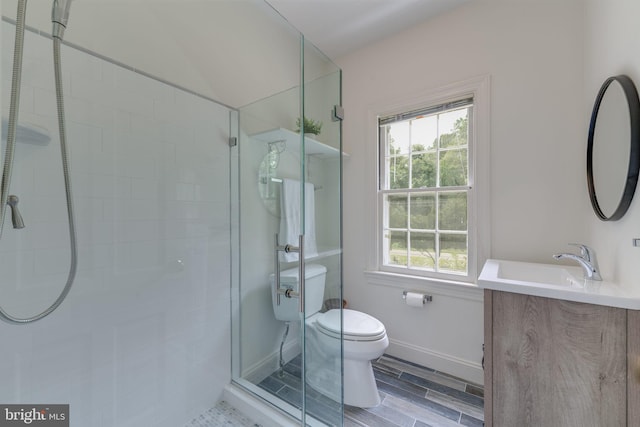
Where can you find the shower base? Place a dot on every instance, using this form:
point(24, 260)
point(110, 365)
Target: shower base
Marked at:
point(222, 414)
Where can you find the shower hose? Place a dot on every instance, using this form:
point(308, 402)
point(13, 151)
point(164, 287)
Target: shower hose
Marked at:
point(9, 151)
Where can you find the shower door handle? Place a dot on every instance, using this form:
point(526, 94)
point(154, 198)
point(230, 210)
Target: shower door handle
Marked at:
point(288, 292)
point(301, 278)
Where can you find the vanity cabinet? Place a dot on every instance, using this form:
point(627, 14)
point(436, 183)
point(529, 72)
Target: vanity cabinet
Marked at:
point(550, 362)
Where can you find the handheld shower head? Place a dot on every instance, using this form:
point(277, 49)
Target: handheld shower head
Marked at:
point(59, 17)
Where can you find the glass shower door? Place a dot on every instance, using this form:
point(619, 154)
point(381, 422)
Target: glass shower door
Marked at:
point(323, 172)
point(268, 332)
point(286, 189)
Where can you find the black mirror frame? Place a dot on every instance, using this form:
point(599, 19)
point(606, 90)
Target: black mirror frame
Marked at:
point(633, 102)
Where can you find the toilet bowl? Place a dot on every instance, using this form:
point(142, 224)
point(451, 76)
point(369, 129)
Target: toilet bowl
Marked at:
point(364, 339)
point(337, 342)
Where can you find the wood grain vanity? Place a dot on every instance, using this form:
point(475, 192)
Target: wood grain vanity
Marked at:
point(552, 362)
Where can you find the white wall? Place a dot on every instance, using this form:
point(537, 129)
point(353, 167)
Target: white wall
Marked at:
point(533, 53)
point(143, 337)
point(612, 40)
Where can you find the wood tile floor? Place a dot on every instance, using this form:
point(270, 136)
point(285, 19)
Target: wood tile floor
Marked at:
point(412, 396)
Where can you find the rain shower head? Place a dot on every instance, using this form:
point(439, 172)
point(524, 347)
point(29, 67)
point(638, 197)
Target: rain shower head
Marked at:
point(60, 16)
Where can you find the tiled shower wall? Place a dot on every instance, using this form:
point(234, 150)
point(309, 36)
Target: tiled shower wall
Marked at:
point(143, 337)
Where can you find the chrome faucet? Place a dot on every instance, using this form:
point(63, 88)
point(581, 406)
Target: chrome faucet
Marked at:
point(587, 259)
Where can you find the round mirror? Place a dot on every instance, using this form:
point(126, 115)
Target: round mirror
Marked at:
point(268, 183)
point(276, 164)
point(613, 148)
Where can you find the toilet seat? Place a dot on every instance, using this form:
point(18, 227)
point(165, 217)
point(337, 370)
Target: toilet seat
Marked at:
point(357, 326)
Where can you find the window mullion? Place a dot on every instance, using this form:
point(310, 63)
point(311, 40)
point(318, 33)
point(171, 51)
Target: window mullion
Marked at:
point(437, 147)
point(410, 185)
point(436, 266)
point(437, 233)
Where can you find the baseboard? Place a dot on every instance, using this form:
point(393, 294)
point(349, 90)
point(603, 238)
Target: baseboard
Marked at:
point(465, 369)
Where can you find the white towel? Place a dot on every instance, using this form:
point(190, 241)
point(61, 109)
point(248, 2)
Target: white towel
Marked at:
point(290, 220)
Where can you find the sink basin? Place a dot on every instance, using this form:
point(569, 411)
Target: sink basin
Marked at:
point(554, 281)
point(542, 274)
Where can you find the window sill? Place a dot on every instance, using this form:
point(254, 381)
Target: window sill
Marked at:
point(469, 291)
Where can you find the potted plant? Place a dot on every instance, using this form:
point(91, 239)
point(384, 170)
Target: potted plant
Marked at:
point(310, 126)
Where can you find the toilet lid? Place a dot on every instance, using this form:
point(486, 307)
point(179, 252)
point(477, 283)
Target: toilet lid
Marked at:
point(357, 326)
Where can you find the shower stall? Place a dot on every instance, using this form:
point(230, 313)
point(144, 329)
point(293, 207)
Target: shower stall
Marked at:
point(181, 129)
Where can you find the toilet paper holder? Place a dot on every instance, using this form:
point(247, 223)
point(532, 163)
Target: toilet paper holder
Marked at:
point(425, 298)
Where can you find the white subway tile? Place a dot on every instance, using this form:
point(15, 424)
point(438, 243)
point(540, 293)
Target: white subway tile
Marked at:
point(85, 111)
point(62, 370)
point(130, 82)
point(146, 130)
point(138, 368)
point(47, 235)
point(55, 211)
point(89, 209)
point(137, 231)
point(51, 261)
point(185, 191)
point(83, 66)
point(45, 102)
point(14, 266)
point(38, 71)
point(27, 100)
point(140, 210)
point(94, 233)
point(168, 159)
point(147, 188)
point(95, 259)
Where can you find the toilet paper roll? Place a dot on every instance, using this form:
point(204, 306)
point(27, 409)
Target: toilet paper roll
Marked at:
point(414, 299)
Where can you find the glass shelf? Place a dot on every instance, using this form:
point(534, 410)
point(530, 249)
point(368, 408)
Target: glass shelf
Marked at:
point(312, 146)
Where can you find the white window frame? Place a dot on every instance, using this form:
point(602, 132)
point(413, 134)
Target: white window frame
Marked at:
point(478, 202)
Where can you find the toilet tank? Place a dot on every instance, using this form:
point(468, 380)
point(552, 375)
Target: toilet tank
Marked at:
point(314, 292)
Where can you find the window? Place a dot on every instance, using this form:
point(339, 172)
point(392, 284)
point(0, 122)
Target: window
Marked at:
point(425, 192)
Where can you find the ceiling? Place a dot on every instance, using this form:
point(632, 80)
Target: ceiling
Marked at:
point(338, 27)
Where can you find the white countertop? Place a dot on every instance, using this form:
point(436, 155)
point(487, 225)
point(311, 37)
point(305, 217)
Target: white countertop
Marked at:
point(555, 281)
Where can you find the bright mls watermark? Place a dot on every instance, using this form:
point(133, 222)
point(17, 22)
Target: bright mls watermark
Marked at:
point(34, 415)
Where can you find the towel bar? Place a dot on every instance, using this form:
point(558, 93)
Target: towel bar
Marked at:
point(279, 181)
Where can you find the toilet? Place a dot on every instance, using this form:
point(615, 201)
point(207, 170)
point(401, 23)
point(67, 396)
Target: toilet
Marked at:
point(364, 339)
